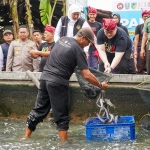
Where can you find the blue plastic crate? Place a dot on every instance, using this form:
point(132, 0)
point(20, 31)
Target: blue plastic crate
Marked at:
point(124, 130)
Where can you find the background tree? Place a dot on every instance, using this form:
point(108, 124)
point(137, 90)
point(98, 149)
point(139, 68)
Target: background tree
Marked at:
point(29, 17)
point(46, 11)
point(14, 16)
point(64, 7)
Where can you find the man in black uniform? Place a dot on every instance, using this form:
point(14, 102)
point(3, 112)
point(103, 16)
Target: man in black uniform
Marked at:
point(114, 47)
point(93, 56)
point(66, 54)
point(45, 48)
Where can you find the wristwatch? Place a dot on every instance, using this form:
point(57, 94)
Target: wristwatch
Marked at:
point(100, 85)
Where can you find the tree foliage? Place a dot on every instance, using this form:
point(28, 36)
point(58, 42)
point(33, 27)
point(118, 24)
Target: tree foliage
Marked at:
point(29, 17)
point(14, 16)
point(46, 11)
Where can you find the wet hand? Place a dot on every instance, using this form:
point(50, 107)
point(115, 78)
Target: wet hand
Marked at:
point(142, 53)
point(108, 70)
point(104, 85)
point(106, 65)
point(135, 55)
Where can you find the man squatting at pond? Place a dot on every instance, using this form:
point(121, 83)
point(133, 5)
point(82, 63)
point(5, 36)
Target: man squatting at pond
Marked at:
point(114, 47)
point(66, 54)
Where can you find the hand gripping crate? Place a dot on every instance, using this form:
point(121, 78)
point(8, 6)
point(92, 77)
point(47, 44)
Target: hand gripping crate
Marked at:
point(123, 130)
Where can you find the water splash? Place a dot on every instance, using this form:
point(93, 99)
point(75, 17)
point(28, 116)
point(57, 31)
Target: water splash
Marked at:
point(46, 137)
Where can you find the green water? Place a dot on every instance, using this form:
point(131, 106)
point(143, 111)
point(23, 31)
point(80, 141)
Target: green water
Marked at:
point(45, 138)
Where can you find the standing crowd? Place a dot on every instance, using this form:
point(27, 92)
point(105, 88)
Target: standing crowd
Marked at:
point(112, 45)
point(74, 42)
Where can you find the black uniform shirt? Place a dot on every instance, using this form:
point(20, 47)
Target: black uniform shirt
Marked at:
point(121, 42)
point(44, 47)
point(95, 26)
point(65, 56)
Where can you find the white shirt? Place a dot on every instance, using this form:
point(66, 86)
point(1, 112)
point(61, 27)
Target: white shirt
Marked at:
point(69, 31)
point(1, 59)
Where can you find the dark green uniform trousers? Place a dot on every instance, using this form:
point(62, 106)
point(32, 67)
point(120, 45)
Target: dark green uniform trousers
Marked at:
point(148, 57)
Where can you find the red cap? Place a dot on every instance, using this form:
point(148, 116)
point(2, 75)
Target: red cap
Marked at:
point(145, 12)
point(92, 10)
point(109, 24)
point(148, 12)
point(49, 28)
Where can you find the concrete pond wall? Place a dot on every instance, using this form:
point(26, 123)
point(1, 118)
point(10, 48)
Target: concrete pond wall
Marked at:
point(18, 96)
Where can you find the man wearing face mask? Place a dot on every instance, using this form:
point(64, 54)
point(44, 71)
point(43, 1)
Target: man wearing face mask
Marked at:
point(114, 47)
point(69, 25)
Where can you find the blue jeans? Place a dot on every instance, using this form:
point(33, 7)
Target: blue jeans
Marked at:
point(92, 61)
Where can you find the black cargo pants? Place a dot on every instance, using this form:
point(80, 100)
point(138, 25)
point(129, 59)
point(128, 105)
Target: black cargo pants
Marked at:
point(50, 95)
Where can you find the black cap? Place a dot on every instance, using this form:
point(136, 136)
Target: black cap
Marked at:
point(7, 31)
point(87, 32)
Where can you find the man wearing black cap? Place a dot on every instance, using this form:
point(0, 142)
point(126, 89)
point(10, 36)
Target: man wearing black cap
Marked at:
point(66, 54)
point(8, 37)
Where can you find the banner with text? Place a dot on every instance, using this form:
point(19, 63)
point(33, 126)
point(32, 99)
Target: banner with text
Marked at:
point(131, 13)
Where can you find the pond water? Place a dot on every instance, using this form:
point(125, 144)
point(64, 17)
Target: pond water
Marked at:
point(45, 137)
